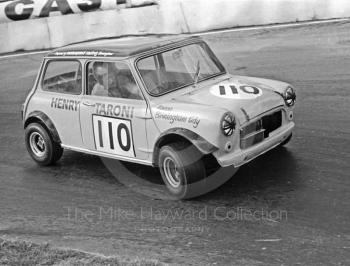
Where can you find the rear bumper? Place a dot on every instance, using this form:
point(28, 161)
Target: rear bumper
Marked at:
point(240, 157)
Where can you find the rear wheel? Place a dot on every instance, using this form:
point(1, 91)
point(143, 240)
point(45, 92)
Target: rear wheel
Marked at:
point(180, 166)
point(41, 146)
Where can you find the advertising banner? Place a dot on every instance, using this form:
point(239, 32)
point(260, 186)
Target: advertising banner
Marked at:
point(14, 10)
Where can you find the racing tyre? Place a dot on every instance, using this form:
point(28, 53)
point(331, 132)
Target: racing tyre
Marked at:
point(181, 166)
point(286, 141)
point(41, 146)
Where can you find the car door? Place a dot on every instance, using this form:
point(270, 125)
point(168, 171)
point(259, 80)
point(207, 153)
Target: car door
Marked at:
point(58, 96)
point(113, 111)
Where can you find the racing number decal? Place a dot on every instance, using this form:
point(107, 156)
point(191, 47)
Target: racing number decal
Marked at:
point(236, 92)
point(113, 135)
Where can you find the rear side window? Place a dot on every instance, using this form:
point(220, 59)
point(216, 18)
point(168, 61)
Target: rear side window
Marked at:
point(63, 77)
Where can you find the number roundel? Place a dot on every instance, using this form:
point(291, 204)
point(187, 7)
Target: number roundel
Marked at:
point(124, 144)
point(113, 135)
point(234, 91)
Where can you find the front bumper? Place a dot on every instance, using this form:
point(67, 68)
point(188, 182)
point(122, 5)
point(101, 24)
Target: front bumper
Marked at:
point(240, 157)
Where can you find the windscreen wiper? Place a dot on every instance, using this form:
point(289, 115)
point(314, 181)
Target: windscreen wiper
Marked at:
point(198, 71)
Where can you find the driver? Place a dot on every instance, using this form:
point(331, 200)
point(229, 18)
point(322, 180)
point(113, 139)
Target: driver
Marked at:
point(100, 73)
point(113, 90)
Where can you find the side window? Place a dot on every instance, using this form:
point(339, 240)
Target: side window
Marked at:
point(111, 79)
point(63, 77)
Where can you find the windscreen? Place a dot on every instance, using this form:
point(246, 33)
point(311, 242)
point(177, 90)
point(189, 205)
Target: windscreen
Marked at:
point(177, 68)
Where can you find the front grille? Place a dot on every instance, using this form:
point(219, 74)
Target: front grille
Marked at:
point(260, 129)
point(271, 122)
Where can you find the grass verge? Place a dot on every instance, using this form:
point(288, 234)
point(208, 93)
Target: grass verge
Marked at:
point(15, 252)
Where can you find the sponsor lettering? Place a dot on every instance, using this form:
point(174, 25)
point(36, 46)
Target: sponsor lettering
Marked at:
point(194, 120)
point(114, 110)
point(66, 104)
point(83, 53)
point(165, 108)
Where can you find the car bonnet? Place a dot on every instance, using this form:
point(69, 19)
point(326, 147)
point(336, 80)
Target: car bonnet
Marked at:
point(243, 97)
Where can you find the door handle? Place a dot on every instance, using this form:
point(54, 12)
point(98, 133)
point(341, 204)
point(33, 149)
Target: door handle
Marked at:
point(87, 103)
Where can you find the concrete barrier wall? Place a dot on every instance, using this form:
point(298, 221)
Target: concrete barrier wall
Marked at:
point(204, 15)
point(61, 30)
point(169, 17)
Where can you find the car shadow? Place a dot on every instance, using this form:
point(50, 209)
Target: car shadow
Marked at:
point(271, 173)
point(269, 176)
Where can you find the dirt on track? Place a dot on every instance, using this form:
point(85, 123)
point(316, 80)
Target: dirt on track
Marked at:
point(289, 206)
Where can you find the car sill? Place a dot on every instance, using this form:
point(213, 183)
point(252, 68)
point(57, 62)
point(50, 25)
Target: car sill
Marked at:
point(106, 155)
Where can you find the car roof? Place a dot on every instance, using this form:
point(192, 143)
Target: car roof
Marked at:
point(120, 47)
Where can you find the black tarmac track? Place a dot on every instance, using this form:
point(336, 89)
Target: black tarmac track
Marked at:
point(290, 206)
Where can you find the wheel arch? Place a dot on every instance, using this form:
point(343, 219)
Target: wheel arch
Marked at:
point(182, 134)
point(42, 118)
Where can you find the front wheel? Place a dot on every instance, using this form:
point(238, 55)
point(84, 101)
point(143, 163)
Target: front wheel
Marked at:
point(180, 166)
point(40, 145)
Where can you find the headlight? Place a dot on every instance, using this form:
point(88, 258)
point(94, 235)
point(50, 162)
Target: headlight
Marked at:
point(228, 124)
point(289, 96)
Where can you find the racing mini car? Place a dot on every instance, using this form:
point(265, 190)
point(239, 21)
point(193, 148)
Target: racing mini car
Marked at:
point(158, 101)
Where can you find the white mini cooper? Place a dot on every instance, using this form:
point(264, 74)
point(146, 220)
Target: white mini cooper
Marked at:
point(163, 102)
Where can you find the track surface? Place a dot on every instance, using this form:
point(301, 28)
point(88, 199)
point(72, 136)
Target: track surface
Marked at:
point(309, 180)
